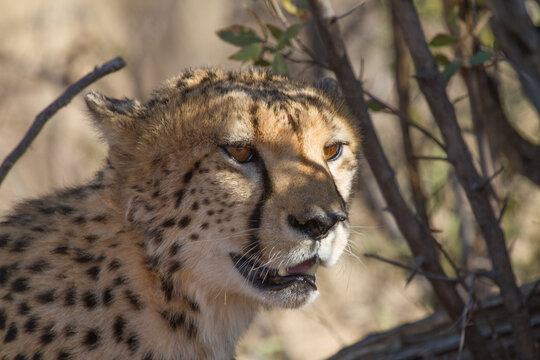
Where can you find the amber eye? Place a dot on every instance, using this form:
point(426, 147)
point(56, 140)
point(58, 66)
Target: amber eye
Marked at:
point(242, 154)
point(332, 152)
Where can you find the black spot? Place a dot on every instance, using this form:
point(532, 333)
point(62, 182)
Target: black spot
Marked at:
point(4, 239)
point(192, 305)
point(120, 280)
point(60, 250)
point(65, 210)
point(133, 342)
point(8, 297)
point(20, 357)
point(48, 335)
point(64, 355)
point(20, 285)
point(3, 319)
point(174, 267)
point(174, 319)
point(38, 355)
point(118, 328)
point(91, 238)
point(46, 297)
point(93, 272)
point(21, 244)
point(79, 220)
point(174, 249)
point(39, 266)
point(168, 223)
point(167, 288)
point(184, 222)
point(11, 333)
point(71, 296)
point(155, 194)
point(179, 196)
point(195, 206)
point(114, 264)
point(91, 338)
point(70, 330)
point(90, 299)
point(99, 219)
point(188, 176)
point(194, 237)
point(134, 299)
point(204, 226)
point(38, 228)
point(24, 309)
point(82, 256)
point(108, 296)
point(210, 212)
point(191, 329)
point(31, 324)
point(6, 271)
point(148, 356)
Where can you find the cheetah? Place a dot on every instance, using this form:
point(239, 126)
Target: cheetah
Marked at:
point(220, 196)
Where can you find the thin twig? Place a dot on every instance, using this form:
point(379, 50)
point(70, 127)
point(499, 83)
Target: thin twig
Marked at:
point(405, 118)
point(414, 269)
point(503, 210)
point(467, 313)
point(349, 12)
point(64, 99)
point(433, 158)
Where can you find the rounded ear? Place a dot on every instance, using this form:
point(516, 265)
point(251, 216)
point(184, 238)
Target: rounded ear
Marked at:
point(116, 119)
point(330, 87)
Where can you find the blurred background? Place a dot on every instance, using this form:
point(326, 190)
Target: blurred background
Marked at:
point(49, 44)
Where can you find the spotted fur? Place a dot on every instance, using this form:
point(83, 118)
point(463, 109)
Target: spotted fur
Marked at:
point(156, 257)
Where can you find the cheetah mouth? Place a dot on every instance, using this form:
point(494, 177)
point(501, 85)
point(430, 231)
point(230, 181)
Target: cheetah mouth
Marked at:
point(269, 279)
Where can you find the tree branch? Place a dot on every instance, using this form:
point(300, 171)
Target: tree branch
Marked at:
point(415, 232)
point(433, 87)
point(64, 99)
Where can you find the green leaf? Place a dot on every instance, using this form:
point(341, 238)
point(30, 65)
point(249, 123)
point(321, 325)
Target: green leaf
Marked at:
point(286, 36)
point(275, 31)
point(261, 63)
point(250, 52)
point(441, 59)
point(278, 65)
point(479, 58)
point(450, 70)
point(443, 40)
point(238, 35)
point(375, 105)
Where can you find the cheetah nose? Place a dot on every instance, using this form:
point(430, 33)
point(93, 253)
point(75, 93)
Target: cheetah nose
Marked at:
point(316, 224)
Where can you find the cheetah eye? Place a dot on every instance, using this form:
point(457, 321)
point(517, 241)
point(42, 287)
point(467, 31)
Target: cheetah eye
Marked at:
point(242, 154)
point(333, 151)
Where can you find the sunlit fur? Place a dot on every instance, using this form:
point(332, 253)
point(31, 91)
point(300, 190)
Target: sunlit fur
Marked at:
point(137, 263)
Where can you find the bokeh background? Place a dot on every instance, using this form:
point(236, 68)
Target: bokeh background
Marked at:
point(48, 44)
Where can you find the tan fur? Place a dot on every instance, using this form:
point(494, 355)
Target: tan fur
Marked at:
point(138, 263)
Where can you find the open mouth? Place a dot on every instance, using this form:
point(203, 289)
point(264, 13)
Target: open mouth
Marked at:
point(266, 278)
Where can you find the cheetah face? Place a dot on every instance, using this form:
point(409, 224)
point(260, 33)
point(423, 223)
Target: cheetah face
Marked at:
point(258, 174)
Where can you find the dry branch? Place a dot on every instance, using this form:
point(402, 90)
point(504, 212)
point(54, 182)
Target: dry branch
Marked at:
point(415, 232)
point(64, 99)
point(433, 87)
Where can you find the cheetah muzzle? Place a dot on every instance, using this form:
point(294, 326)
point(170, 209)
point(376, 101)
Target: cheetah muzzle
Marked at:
point(221, 195)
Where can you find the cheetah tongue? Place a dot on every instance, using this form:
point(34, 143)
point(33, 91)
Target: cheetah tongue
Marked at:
point(307, 267)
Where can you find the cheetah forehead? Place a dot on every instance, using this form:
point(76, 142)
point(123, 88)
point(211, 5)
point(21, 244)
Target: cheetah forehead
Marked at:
point(222, 107)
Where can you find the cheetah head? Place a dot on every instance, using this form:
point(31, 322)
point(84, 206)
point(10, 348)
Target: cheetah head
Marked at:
point(239, 182)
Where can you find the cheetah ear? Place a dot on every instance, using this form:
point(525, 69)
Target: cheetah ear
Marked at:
point(330, 87)
point(116, 119)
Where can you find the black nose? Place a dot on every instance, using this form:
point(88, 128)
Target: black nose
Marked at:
point(316, 225)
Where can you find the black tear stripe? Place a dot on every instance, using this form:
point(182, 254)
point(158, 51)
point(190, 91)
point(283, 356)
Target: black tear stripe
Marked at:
point(254, 249)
